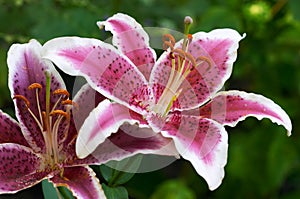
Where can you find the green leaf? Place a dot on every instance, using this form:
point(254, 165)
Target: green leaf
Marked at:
point(50, 192)
point(65, 192)
point(119, 172)
point(115, 192)
point(173, 189)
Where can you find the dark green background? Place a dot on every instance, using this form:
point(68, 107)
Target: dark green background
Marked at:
point(263, 162)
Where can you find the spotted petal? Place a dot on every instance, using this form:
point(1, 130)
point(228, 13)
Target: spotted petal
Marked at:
point(85, 100)
point(219, 47)
point(104, 120)
point(10, 131)
point(131, 140)
point(204, 143)
point(26, 67)
point(105, 69)
point(131, 39)
point(82, 182)
point(230, 107)
point(19, 168)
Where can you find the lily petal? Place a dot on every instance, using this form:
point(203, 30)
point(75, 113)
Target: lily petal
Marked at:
point(82, 182)
point(219, 47)
point(19, 168)
point(204, 143)
point(25, 68)
point(86, 99)
point(104, 120)
point(105, 69)
point(132, 40)
point(10, 131)
point(230, 107)
point(131, 140)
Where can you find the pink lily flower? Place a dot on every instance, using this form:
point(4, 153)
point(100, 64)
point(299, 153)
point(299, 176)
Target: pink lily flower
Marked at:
point(42, 145)
point(175, 96)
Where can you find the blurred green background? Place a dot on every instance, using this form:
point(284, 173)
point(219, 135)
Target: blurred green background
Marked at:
point(262, 161)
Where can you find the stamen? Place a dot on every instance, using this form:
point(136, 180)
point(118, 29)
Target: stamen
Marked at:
point(27, 103)
point(168, 44)
point(59, 112)
point(192, 59)
point(205, 59)
point(180, 52)
point(35, 86)
point(67, 102)
point(61, 92)
point(169, 38)
point(21, 97)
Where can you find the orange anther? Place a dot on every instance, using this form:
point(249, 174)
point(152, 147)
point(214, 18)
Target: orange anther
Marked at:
point(67, 102)
point(180, 52)
point(170, 38)
point(21, 97)
point(168, 44)
point(191, 58)
point(59, 112)
point(205, 59)
point(34, 86)
point(190, 36)
point(61, 92)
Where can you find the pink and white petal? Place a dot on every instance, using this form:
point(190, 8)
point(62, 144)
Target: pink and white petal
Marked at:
point(26, 67)
point(219, 47)
point(104, 120)
point(204, 143)
point(132, 40)
point(230, 107)
point(10, 131)
point(20, 168)
point(105, 68)
point(81, 181)
point(131, 140)
point(86, 99)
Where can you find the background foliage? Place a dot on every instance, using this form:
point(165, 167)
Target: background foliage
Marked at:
point(262, 161)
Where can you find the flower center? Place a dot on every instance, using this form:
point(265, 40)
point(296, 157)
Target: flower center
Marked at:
point(182, 64)
point(49, 120)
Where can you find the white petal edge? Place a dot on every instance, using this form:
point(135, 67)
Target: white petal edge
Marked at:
point(84, 147)
point(286, 122)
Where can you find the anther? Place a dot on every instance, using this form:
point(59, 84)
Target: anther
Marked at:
point(67, 102)
point(21, 97)
point(191, 58)
point(180, 52)
point(59, 112)
point(169, 38)
point(35, 86)
point(61, 92)
point(205, 59)
point(168, 44)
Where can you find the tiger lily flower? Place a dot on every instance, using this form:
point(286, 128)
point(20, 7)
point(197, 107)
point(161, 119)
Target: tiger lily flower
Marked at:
point(175, 96)
point(42, 144)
